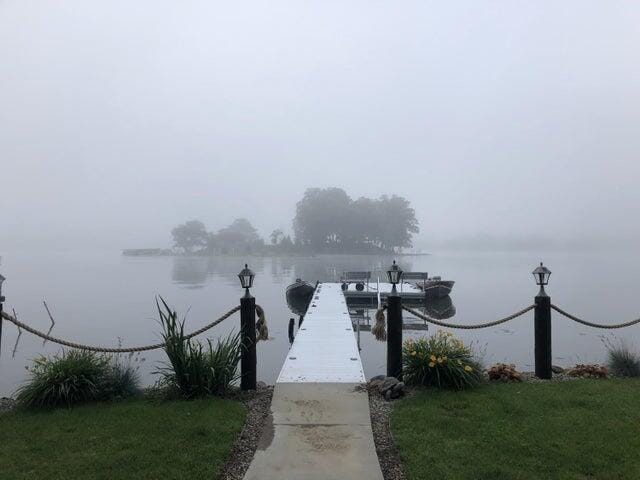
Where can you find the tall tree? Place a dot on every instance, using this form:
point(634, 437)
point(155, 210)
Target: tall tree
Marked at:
point(329, 219)
point(238, 237)
point(190, 235)
point(322, 217)
point(397, 221)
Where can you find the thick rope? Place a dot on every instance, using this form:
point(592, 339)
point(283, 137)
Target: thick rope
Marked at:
point(468, 327)
point(262, 331)
point(594, 325)
point(379, 330)
point(261, 327)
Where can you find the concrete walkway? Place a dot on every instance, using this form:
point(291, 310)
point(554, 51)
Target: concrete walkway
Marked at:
point(317, 431)
point(319, 427)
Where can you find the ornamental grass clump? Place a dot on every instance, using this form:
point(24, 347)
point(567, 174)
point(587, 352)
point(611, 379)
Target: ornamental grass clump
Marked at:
point(441, 361)
point(70, 378)
point(74, 377)
point(622, 361)
point(194, 370)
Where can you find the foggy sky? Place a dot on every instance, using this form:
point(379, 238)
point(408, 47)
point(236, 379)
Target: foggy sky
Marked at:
point(119, 120)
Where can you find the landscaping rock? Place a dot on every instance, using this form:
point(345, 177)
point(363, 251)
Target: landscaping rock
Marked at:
point(376, 381)
point(557, 369)
point(389, 387)
point(387, 384)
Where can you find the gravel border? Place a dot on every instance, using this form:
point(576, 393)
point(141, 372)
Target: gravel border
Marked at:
point(388, 455)
point(257, 403)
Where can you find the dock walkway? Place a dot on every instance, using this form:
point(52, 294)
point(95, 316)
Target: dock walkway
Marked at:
point(319, 427)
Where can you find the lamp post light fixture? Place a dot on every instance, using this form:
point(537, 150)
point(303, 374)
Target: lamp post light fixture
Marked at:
point(542, 274)
point(394, 275)
point(246, 277)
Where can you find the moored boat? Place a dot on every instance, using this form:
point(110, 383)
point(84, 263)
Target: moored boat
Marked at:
point(435, 287)
point(298, 296)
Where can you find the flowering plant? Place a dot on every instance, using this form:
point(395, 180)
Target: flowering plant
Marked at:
point(504, 373)
point(440, 360)
point(589, 371)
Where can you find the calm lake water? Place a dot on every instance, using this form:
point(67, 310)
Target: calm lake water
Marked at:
point(103, 298)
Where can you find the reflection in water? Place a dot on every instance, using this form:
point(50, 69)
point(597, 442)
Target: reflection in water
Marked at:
point(329, 268)
point(195, 272)
point(440, 308)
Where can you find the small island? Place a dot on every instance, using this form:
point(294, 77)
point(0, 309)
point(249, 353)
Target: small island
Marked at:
point(327, 221)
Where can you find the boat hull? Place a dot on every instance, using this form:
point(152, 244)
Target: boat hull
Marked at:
point(299, 295)
point(436, 288)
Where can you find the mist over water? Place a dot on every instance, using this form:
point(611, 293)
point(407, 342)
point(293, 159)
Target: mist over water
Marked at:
point(512, 120)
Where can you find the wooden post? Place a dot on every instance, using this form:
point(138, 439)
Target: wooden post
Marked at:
point(248, 358)
point(542, 327)
point(394, 335)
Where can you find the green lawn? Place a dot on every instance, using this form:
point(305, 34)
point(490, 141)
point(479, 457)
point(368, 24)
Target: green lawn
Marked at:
point(582, 429)
point(129, 440)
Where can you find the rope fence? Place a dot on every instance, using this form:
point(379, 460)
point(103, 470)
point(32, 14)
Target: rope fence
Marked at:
point(594, 325)
point(262, 333)
point(468, 327)
point(379, 329)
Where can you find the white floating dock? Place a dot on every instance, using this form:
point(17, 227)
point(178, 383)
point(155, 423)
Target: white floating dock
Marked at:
point(325, 348)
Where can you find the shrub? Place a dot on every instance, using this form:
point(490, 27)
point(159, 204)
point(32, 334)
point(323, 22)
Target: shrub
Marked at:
point(622, 361)
point(73, 377)
point(588, 371)
point(504, 373)
point(441, 361)
point(193, 370)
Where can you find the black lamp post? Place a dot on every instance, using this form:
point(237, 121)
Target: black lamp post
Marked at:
point(394, 324)
point(542, 324)
point(2, 279)
point(248, 356)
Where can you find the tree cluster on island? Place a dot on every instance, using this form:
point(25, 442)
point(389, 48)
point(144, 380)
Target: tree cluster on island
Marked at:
point(326, 221)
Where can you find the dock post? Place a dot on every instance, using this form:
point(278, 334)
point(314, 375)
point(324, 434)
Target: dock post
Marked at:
point(542, 327)
point(248, 356)
point(394, 335)
point(542, 324)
